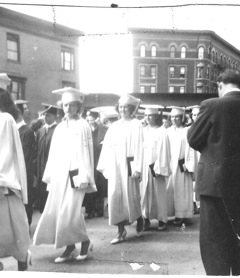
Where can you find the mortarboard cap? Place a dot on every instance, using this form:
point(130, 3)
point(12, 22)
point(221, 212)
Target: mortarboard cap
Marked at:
point(94, 114)
point(70, 94)
point(20, 101)
point(151, 109)
point(108, 111)
point(195, 108)
point(52, 109)
point(176, 110)
point(128, 99)
point(4, 81)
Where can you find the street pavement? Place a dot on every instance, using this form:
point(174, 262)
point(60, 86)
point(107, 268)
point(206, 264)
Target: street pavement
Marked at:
point(174, 251)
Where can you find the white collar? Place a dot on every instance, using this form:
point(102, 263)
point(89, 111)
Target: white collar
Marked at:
point(49, 126)
point(20, 124)
point(231, 90)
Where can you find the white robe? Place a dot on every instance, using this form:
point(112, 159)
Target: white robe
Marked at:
point(180, 184)
point(156, 150)
point(14, 231)
point(62, 222)
point(123, 139)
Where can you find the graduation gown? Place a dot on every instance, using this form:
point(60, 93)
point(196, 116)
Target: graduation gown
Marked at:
point(14, 231)
point(156, 154)
point(62, 222)
point(124, 139)
point(180, 184)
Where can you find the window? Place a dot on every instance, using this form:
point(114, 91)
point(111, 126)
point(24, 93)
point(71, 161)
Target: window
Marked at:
point(200, 52)
point(13, 50)
point(142, 70)
point(221, 59)
point(183, 52)
point(208, 73)
point(142, 89)
point(213, 56)
point(153, 71)
point(224, 61)
point(68, 84)
point(200, 72)
point(172, 51)
point(171, 72)
point(199, 88)
point(216, 57)
point(171, 89)
point(142, 51)
point(67, 56)
point(182, 72)
point(18, 87)
point(154, 51)
point(182, 89)
point(153, 89)
point(229, 63)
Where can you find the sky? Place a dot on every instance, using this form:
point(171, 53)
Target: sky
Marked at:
point(101, 24)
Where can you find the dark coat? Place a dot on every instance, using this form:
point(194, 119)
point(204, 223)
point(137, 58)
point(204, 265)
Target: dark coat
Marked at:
point(216, 135)
point(43, 142)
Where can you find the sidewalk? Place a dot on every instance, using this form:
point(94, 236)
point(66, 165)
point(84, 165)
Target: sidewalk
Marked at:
point(171, 252)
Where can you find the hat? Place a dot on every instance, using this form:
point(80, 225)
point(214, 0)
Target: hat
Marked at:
point(4, 81)
point(194, 108)
point(49, 108)
point(93, 114)
point(70, 94)
point(108, 111)
point(176, 110)
point(21, 104)
point(151, 109)
point(128, 99)
point(20, 101)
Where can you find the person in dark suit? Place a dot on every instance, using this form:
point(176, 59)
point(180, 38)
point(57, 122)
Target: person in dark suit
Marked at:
point(94, 201)
point(43, 142)
point(216, 135)
point(28, 143)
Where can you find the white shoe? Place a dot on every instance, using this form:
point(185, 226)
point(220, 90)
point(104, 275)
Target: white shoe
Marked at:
point(83, 257)
point(119, 238)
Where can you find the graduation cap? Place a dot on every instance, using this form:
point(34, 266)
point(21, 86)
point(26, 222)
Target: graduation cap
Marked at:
point(4, 81)
point(94, 114)
point(49, 108)
point(21, 104)
point(152, 109)
point(194, 109)
point(70, 94)
point(176, 110)
point(108, 111)
point(128, 99)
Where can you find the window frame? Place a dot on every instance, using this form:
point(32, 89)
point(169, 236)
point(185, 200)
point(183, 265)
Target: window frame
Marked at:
point(71, 51)
point(154, 51)
point(183, 52)
point(172, 51)
point(201, 51)
point(13, 38)
point(142, 50)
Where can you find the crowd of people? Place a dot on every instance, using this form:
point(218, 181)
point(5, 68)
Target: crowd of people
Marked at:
point(141, 170)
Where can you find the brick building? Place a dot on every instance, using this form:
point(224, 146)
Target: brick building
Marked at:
point(179, 65)
point(39, 56)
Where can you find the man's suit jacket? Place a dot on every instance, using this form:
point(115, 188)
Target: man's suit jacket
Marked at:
point(216, 135)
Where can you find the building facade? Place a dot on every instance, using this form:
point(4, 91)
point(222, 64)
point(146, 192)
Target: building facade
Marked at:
point(39, 57)
point(179, 62)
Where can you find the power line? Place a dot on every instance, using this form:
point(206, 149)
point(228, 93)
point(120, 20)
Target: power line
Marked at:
point(115, 6)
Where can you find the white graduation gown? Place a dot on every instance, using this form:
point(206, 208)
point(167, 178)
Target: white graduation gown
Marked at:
point(123, 139)
point(156, 151)
point(62, 222)
point(180, 184)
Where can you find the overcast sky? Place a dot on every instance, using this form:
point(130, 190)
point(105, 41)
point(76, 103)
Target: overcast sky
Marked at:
point(97, 17)
point(220, 18)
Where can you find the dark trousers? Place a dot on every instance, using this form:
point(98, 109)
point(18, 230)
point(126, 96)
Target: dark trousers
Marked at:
point(218, 244)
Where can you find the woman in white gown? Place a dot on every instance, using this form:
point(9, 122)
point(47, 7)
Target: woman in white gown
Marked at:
point(121, 163)
point(69, 175)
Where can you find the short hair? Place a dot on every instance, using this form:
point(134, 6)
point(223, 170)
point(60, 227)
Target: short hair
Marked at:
point(230, 77)
point(7, 104)
point(131, 108)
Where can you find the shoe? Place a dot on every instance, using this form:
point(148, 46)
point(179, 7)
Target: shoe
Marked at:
point(162, 226)
point(66, 255)
point(22, 266)
point(139, 227)
point(147, 224)
point(120, 238)
point(178, 221)
point(83, 257)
